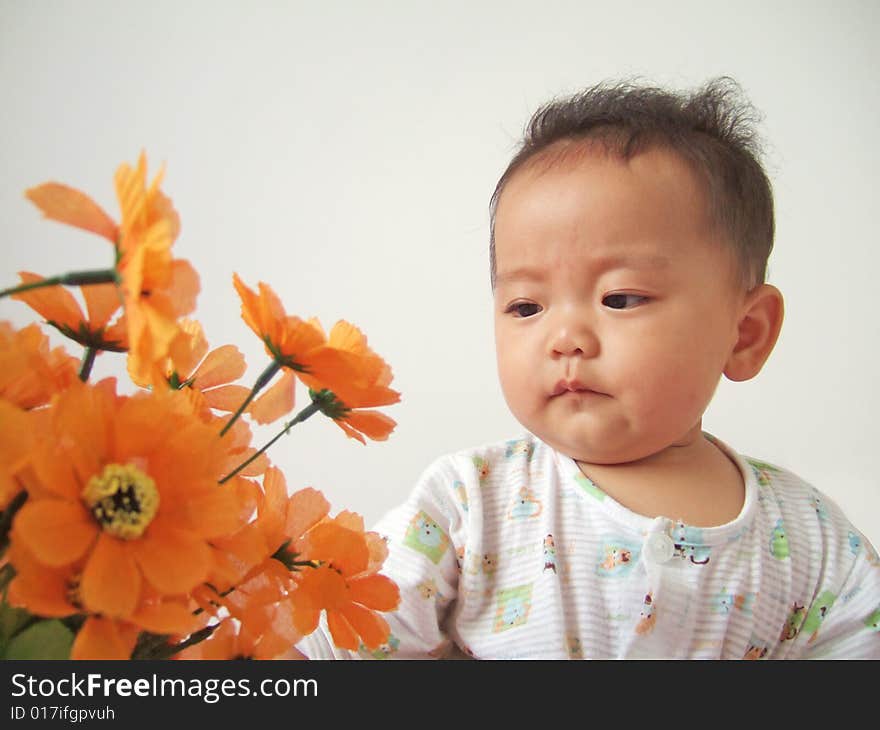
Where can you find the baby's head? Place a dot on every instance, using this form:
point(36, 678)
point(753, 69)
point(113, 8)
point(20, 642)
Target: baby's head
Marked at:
point(630, 237)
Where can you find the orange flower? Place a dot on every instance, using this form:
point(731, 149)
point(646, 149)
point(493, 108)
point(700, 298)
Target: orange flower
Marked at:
point(127, 488)
point(251, 552)
point(346, 584)
point(190, 365)
point(156, 288)
point(288, 341)
point(29, 372)
point(281, 598)
point(58, 307)
point(56, 592)
point(361, 379)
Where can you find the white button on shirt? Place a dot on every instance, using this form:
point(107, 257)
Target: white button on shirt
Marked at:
point(659, 548)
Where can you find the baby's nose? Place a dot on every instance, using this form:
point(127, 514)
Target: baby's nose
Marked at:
point(574, 338)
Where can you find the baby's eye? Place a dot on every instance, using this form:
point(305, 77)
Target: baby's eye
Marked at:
point(623, 301)
point(524, 309)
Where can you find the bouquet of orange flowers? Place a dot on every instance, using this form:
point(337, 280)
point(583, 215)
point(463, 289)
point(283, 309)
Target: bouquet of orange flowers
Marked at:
point(148, 526)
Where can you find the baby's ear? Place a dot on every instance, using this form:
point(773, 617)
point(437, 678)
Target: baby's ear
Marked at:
point(760, 321)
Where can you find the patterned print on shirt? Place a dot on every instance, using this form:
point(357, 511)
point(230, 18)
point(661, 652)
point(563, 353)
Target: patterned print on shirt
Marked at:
point(794, 622)
point(575, 648)
point(855, 542)
point(461, 494)
point(616, 557)
point(428, 589)
point(482, 469)
point(587, 484)
point(525, 505)
point(489, 563)
point(763, 471)
point(873, 620)
point(425, 536)
point(816, 501)
point(755, 651)
point(816, 615)
point(517, 447)
point(383, 651)
point(726, 601)
point(549, 554)
point(647, 616)
point(779, 542)
point(513, 607)
point(688, 544)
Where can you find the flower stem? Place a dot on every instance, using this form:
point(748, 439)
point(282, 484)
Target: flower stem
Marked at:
point(267, 375)
point(76, 278)
point(7, 573)
point(88, 360)
point(195, 638)
point(156, 646)
point(307, 412)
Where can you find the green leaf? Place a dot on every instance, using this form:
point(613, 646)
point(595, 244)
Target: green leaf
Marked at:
point(48, 639)
point(11, 620)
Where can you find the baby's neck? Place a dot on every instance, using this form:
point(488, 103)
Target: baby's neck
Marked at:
point(695, 482)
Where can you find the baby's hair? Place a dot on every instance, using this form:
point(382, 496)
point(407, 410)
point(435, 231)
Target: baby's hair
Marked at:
point(711, 128)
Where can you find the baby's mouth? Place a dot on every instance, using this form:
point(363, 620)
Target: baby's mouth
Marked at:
point(572, 386)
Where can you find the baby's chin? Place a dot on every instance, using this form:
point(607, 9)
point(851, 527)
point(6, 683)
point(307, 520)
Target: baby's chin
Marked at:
point(617, 453)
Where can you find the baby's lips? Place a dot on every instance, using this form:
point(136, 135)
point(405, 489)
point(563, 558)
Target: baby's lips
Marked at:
point(574, 386)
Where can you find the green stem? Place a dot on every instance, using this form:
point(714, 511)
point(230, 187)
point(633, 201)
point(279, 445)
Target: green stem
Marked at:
point(88, 360)
point(7, 573)
point(166, 651)
point(267, 375)
point(6, 518)
point(76, 278)
point(219, 595)
point(307, 412)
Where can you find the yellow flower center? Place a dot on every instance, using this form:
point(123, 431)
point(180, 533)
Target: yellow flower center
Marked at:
point(123, 500)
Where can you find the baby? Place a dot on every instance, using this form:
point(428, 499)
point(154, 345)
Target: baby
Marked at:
point(629, 242)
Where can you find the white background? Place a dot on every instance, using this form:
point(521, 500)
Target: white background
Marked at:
point(345, 152)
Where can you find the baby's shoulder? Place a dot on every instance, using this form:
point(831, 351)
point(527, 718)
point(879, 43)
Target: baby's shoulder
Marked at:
point(793, 506)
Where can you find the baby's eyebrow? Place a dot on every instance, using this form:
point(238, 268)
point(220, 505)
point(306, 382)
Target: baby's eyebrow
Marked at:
point(520, 274)
point(599, 264)
point(631, 261)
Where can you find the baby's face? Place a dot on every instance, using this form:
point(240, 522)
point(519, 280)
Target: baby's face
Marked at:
point(615, 306)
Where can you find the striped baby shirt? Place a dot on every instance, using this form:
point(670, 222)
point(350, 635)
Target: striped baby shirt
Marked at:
point(508, 551)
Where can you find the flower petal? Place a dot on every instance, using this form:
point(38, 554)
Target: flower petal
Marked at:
point(226, 397)
point(378, 592)
point(373, 629)
point(346, 550)
point(172, 561)
point(55, 531)
point(276, 401)
point(222, 365)
point(215, 513)
point(111, 582)
point(53, 303)
point(344, 636)
point(102, 300)
point(184, 287)
point(349, 431)
point(68, 205)
point(373, 424)
point(166, 618)
point(104, 638)
point(306, 508)
point(43, 591)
